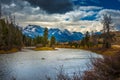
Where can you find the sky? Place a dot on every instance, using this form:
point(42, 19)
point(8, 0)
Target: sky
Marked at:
point(74, 15)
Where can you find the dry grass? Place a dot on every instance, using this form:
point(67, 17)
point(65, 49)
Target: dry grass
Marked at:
point(110, 51)
point(43, 48)
point(98, 49)
point(9, 51)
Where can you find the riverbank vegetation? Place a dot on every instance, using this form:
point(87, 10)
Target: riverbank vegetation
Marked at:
point(106, 68)
point(13, 50)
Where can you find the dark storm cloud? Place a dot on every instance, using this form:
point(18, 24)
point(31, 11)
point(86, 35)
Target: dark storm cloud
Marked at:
point(53, 6)
point(12, 6)
point(7, 1)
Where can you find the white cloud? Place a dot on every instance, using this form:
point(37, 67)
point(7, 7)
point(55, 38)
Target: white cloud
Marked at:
point(115, 15)
point(89, 8)
point(13, 5)
point(76, 15)
point(35, 15)
point(58, 20)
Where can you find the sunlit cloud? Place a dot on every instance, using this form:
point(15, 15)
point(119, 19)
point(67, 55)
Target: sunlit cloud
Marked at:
point(81, 18)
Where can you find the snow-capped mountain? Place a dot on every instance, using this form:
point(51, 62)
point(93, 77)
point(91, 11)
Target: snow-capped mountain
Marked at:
point(60, 35)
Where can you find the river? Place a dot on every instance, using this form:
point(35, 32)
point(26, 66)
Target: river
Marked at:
point(35, 65)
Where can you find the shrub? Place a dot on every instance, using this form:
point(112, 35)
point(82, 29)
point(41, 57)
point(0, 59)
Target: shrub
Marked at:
point(106, 68)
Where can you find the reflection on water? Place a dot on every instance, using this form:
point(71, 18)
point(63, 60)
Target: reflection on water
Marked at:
point(34, 65)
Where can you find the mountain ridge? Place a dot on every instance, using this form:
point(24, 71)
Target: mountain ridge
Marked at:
point(33, 31)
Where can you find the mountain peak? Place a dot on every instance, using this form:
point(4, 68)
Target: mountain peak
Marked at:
point(61, 36)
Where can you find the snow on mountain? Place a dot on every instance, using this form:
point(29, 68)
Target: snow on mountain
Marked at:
point(61, 36)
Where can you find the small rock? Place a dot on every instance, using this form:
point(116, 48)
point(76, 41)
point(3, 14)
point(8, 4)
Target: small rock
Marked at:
point(43, 58)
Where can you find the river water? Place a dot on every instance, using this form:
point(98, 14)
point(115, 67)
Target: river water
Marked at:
point(35, 65)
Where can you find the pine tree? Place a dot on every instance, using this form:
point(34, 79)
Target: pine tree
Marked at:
point(38, 40)
point(10, 36)
point(45, 37)
point(87, 39)
point(27, 41)
point(0, 9)
point(83, 42)
point(52, 41)
point(107, 38)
